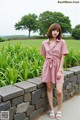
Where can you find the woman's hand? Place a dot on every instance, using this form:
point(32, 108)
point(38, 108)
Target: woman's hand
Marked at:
point(59, 74)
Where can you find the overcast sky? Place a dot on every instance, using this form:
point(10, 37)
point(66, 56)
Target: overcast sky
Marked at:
point(12, 10)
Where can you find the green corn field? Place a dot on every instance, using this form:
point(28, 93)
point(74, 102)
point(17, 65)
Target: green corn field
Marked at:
point(21, 60)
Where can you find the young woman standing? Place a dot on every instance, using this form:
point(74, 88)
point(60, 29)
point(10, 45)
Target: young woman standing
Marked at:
point(54, 50)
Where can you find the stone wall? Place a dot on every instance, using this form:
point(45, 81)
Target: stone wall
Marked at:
point(28, 99)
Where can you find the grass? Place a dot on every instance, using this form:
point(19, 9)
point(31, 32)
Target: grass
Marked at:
point(73, 44)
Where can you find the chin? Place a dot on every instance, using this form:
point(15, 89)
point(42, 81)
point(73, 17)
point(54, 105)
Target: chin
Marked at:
point(54, 36)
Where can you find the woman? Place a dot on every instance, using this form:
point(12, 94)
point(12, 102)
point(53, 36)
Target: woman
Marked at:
point(54, 50)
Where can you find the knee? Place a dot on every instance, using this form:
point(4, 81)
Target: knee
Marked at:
point(59, 92)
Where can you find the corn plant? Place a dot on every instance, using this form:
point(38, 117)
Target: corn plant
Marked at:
point(18, 63)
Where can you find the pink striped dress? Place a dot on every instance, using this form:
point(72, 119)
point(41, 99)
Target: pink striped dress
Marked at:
point(52, 60)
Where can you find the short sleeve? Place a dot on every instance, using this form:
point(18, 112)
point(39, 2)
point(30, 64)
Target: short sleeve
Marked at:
point(64, 48)
point(42, 50)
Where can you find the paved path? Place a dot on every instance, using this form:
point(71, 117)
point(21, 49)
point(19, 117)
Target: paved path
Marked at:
point(70, 110)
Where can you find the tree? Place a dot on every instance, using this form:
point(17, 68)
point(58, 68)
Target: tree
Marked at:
point(76, 32)
point(64, 22)
point(47, 18)
point(27, 22)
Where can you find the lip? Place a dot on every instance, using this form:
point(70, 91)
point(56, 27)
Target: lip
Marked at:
point(54, 34)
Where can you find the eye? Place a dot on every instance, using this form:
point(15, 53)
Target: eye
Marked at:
point(57, 30)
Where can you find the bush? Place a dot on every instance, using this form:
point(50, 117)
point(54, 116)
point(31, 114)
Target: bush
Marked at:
point(76, 32)
point(72, 59)
point(1, 40)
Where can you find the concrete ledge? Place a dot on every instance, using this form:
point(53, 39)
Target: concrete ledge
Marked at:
point(27, 99)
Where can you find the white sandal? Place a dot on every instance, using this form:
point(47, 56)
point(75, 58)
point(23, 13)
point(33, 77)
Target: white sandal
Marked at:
point(52, 114)
point(58, 115)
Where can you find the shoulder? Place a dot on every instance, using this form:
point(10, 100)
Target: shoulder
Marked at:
point(45, 41)
point(62, 41)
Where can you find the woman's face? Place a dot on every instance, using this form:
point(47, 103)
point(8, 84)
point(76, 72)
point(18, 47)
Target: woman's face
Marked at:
point(55, 33)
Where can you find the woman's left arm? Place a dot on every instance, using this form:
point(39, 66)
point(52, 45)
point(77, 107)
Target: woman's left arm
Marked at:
point(60, 71)
point(61, 63)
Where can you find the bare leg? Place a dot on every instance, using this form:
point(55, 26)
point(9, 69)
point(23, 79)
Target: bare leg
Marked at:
point(50, 94)
point(59, 88)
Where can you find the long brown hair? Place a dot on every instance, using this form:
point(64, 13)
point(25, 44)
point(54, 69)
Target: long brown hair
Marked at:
point(54, 26)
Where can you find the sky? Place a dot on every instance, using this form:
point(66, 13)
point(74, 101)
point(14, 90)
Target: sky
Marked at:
point(11, 11)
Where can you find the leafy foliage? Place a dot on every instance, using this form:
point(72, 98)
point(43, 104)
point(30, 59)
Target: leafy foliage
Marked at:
point(19, 63)
point(27, 22)
point(76, 32)
point(47, 18)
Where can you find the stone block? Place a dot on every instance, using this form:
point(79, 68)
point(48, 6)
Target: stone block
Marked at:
point(68, 73)
point(27, 97)
point(75, 69)
point(72, 93)
point(36, 113)
point(12, 112)
point(9, 92)
point(41, 102)
point(43, 92)
point(30, 109)
point(65, 92)
point(22, 107)
point(37, 81)
point(17, 100)
point(36, 96)
point(20, 116)
point(69, 86)
point(27, 86)
point(66, 82)
point(5, 105)
point(73, 78)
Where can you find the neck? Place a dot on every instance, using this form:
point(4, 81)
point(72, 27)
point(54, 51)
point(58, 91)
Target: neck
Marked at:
point(53, 39)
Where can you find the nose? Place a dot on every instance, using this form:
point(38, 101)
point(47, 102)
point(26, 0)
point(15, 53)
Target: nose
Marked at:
point(55, 32)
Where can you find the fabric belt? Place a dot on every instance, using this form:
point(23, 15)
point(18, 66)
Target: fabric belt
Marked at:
point(52, 62)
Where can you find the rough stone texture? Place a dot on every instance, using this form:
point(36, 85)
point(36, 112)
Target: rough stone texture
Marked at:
point(27, 97)
point(70, 90)
point(36, 113)
point(12, 112)
point(5, 105)
point(0, 99)
point(43, 92)
point(64, 98)
point(36, 95)
point(73, 78)
point(27, 86)
point(46, 107)
point(72, 93)
point(67, 96)
point(68, 74)
point(9, 92)
point(17, 100)
point(22, 107)
point(37, 81)
point(66, 82)
point(78, 79)
point(65, 92)
point(41, 102)
point(75, 69)
point(73, 83)
point(20, 116)
point(30, 110)
point(69, 86)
